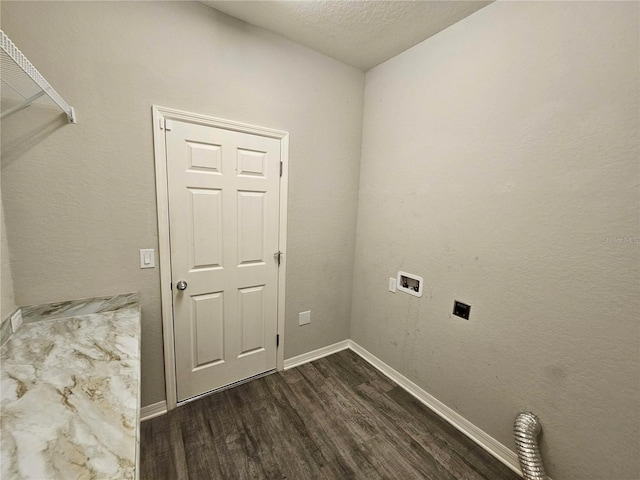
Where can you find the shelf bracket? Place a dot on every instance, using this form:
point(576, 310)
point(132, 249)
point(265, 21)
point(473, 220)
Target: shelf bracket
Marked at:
point(8, 47)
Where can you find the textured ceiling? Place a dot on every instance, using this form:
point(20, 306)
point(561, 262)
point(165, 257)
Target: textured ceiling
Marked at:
point(359, 33)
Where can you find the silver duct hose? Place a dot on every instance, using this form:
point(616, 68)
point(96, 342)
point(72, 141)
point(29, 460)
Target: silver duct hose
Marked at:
point(526, 429)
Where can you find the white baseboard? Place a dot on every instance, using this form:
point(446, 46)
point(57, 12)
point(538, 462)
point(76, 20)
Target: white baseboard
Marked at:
point(160, 408)
point(484, 440)
point(154, 410)
point(316, 354)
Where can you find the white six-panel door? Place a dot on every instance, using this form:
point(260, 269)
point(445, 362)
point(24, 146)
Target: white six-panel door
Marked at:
point(223, 189)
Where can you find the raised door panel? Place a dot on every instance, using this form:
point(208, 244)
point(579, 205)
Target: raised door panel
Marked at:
point(204, 157)
point(251, 221)
point(205, 219)
point(251, 309)
point(251, 163)
point(207, 329)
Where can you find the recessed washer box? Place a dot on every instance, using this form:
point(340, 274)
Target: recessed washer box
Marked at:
point(410, 283)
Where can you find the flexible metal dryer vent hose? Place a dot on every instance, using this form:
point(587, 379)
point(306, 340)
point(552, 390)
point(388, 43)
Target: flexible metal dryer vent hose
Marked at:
point(526, 428)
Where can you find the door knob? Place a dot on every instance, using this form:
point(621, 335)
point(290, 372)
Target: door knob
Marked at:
point(181, 285)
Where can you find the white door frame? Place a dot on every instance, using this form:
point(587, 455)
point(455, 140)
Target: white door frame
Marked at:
point(160, 116)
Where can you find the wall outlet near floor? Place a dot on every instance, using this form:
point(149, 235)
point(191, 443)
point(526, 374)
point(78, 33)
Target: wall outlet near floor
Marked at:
point(16, 321)
point(392, 285)
point(304, 318)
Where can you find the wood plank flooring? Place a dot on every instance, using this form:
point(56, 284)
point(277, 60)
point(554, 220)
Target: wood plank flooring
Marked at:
point(334, 418)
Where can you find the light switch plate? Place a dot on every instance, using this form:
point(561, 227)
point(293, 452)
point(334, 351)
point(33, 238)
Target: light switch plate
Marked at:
point(392, 285)
point(304, 318)
point(147, 258)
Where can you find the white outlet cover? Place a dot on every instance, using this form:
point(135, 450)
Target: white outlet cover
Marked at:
point(304, 318)
point(392, 285)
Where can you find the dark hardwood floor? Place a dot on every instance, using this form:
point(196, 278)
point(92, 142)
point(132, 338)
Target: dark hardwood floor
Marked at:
point(335, 418)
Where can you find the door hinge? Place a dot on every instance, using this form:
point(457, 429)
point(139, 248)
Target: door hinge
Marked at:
point(281, 167)
point(278, 256)
point(165, 124)
point(278, 340)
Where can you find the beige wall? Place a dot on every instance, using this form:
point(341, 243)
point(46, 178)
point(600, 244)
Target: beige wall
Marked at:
point(498, 157)
point(500, 162)
point(7, 298)
point(80, 201)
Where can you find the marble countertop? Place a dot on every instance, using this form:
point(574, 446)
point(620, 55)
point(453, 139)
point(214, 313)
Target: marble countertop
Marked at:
point(71, 391)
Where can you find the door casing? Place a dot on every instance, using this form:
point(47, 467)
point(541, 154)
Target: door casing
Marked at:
point(160, 116)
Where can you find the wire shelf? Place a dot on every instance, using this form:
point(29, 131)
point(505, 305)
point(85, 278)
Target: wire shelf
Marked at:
point(28, 88)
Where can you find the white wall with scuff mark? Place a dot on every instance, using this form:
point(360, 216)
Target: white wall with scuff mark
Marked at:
point(501, 162)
